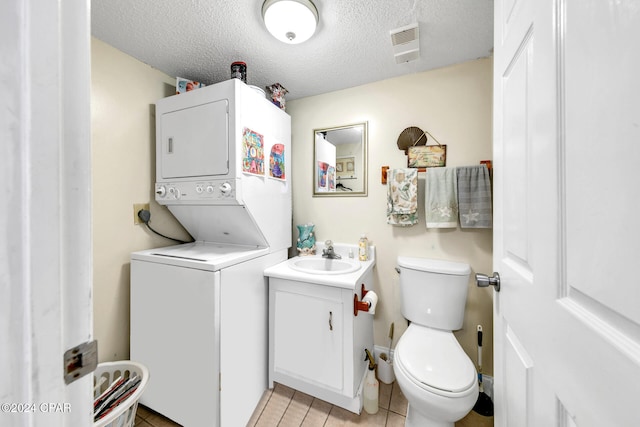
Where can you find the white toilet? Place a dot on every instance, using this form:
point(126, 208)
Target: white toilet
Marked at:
point(435, 374)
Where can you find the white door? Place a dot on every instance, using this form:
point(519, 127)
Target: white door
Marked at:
point(566, 238)
point(45, 218)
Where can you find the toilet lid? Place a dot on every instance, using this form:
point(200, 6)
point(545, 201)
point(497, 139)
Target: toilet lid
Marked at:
point(435, 359)
point(435, 266)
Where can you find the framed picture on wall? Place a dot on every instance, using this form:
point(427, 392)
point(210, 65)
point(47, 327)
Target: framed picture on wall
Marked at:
point(427, 156)
point(346, 167)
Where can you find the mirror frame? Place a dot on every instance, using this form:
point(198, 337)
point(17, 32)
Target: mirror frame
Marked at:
point(365, 150)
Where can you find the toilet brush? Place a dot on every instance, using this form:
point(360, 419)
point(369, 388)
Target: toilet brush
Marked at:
point(385, 363)
point(390, 341)
point(484, 405)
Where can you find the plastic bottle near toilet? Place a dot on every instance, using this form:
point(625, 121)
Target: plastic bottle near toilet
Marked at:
point(371, 387)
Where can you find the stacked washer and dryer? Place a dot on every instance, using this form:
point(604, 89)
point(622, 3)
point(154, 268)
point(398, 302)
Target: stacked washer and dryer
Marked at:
point(199, 317)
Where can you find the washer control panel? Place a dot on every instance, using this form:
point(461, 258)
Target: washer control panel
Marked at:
point(218, 190)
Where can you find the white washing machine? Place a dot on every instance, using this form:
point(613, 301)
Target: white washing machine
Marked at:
point(199, 317)
point(199, 310)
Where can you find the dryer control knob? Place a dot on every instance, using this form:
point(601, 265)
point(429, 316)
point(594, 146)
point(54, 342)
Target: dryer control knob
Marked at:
point(161, 191)
point(173, 192)
point(225, 188)
point(210, 189)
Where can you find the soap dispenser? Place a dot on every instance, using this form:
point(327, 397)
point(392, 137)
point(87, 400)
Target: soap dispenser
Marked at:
point(371, 386)
point(363, 248)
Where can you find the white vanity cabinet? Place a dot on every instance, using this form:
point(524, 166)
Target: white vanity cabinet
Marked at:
point(316, 342)
point(308, 333)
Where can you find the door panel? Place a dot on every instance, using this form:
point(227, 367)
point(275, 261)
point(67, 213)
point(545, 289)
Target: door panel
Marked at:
point(599, 218)
point(308, 333)
point(518, 368)
point(567, 345)
point(515, 82)
point(45, 221)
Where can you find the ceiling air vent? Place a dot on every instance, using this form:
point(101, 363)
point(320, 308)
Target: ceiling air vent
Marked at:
point(406, 43)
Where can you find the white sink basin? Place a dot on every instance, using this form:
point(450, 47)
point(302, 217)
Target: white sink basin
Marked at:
point(318, 265)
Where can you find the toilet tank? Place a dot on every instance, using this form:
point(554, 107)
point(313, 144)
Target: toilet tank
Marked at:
point(433, 292)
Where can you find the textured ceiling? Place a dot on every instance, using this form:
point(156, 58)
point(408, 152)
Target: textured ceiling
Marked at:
point(199, 39)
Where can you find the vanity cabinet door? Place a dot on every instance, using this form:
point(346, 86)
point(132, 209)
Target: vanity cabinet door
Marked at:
point(308, 334)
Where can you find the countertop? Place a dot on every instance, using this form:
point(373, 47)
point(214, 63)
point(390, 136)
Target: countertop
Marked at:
point(346, 280)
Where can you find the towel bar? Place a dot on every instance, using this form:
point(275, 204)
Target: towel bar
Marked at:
point(385, 169)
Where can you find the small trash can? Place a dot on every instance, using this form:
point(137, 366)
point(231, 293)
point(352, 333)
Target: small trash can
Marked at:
point(385, 369)
point(117, 389)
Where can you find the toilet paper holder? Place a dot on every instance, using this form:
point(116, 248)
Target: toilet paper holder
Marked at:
point(360, 305)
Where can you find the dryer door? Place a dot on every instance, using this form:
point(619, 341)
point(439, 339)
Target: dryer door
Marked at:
point(195, 141)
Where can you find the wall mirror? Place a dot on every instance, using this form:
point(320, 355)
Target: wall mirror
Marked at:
point(340, 161)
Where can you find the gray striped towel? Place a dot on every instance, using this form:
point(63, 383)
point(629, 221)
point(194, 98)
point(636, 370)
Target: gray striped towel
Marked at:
point(474, 197)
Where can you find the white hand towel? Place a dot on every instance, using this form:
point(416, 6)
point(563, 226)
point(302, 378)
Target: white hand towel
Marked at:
point(441, 198)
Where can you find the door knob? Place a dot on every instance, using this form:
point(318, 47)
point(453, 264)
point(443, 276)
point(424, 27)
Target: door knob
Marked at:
point(482, 280)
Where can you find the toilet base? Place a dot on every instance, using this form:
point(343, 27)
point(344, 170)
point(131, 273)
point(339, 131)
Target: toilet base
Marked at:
point(416, 419)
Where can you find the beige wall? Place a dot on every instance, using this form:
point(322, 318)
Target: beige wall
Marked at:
point(454, 104)
point(124, 91)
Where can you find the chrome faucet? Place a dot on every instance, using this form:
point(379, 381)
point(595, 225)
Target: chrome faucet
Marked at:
point(328, 252)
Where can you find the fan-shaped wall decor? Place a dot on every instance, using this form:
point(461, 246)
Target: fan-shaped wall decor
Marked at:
point(410, 137)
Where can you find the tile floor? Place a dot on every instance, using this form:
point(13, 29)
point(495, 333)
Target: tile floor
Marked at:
point(145, 417)
point(286, 407)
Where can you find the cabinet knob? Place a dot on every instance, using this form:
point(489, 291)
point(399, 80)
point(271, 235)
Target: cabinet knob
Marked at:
point(331, 321)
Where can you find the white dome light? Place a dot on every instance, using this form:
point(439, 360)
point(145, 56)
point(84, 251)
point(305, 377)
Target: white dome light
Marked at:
point(290, 21)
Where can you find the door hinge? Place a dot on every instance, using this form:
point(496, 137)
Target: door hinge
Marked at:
point(80, 361)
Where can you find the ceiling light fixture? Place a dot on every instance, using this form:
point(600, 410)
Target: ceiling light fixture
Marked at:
point(290, 21)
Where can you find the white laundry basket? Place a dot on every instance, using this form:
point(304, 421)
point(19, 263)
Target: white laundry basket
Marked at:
point(124, 414)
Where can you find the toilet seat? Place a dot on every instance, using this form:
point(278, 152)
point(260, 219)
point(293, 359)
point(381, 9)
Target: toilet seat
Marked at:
point(434, 361)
